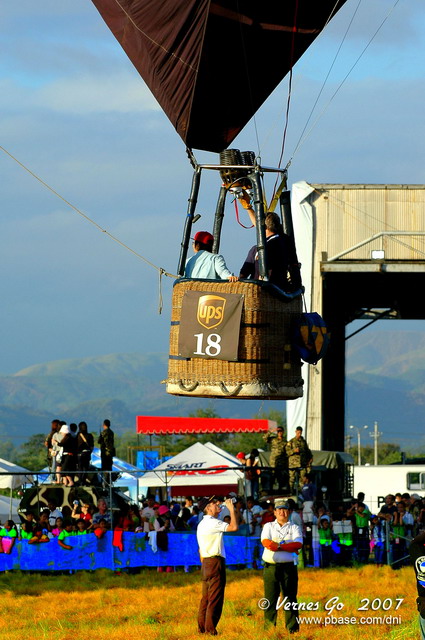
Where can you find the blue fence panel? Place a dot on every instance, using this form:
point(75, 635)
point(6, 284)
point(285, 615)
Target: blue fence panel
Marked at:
point(133, 550)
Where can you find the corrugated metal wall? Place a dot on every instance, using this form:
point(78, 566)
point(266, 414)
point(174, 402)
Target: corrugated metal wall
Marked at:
point(348, 214)
point(343, 216)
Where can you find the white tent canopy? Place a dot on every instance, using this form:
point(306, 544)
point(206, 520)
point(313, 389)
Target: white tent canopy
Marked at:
point(232, 459)
point(20, 475)
point(199, 465)
point(9, 509)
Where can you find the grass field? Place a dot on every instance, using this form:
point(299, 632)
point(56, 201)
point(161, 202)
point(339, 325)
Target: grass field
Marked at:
point(151, 605)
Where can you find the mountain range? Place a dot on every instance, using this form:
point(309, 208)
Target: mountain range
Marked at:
point(114, 386)
point(385, 383)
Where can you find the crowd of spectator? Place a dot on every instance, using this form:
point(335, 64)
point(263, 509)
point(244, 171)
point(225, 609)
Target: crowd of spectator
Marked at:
point(350, 533)
point(52, 523)
point(84, 518)
point(344, 533)
point(333, 534)
point(69, 449)
point(339, 535)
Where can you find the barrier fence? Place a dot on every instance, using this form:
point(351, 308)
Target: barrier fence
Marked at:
point(118, 550)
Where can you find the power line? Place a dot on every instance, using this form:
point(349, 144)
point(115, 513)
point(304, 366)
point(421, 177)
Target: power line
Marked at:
point(85, 216)
point(300, 143)
point(326, 78)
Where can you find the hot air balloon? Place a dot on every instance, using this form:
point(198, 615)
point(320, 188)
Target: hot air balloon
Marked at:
point(227, 339)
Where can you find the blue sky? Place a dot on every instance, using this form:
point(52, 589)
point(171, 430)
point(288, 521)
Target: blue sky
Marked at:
point(74, 110)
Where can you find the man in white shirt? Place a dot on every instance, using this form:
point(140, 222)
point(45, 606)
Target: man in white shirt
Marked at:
point(281, 540)
point(211, 549)
point(54, 513)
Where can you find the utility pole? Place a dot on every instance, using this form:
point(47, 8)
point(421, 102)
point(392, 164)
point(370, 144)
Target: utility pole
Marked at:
point(348, 439)
point(359, 455)
point(375, 435)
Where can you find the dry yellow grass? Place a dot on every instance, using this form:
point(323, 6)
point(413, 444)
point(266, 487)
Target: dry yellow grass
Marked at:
point(164, 606)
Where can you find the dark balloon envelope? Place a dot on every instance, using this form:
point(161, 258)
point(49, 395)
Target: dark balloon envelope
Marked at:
point(212, 63)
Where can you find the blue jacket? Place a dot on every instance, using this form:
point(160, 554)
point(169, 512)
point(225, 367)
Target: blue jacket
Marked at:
point(206, 265)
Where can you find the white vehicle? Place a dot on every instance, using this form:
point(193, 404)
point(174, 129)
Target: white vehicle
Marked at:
point(378, 481)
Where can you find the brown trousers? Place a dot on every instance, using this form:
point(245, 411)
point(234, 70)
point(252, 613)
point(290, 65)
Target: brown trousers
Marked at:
point(213, 584)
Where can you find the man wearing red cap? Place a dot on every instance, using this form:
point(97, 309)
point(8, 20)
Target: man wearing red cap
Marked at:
point(211, 549)
point(205, 264)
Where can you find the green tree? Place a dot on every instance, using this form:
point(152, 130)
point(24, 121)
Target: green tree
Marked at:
point(273, 414)
point(33, 454)
point(204, 413)
point(127, 443)
point(388, 453)
point(8, 451)
point(219, 439)
point(246, 442)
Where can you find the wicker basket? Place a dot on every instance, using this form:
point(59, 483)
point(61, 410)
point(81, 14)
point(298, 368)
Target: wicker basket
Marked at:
point(267, 366)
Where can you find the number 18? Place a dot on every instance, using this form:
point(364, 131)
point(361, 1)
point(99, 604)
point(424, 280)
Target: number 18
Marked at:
point(213, 347)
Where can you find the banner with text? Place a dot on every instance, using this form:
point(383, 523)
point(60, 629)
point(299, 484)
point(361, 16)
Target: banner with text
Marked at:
point(210, 325)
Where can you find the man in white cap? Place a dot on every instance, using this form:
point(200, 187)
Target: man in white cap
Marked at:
point(281, 540)
point(211, 549)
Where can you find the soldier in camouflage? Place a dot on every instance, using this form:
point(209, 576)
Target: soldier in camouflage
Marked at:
point(278, 460)
point(107, 446)
point(299, 458)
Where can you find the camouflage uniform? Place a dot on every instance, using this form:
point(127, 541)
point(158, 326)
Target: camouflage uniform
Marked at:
point(300, 462)
point(107, 448)
point(278, 460)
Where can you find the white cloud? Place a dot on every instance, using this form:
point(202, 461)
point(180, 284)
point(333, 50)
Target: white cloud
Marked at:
point(76, 112)
point(81, 95)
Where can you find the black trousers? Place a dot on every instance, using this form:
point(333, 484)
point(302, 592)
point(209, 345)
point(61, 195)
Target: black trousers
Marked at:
point(83, 463)
point(282, 577)
point(213, 584)
point(106, 462)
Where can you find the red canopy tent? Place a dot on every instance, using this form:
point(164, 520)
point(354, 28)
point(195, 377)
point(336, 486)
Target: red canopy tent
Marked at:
point(160, 425)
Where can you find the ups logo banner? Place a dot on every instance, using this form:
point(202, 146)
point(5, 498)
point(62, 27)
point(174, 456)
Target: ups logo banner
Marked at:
point(211, 311)
point(209, 325)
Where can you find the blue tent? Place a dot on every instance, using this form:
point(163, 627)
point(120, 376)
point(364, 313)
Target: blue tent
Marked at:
point(129, 474)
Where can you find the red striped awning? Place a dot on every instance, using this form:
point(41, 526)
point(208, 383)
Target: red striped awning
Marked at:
point(160, 425)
